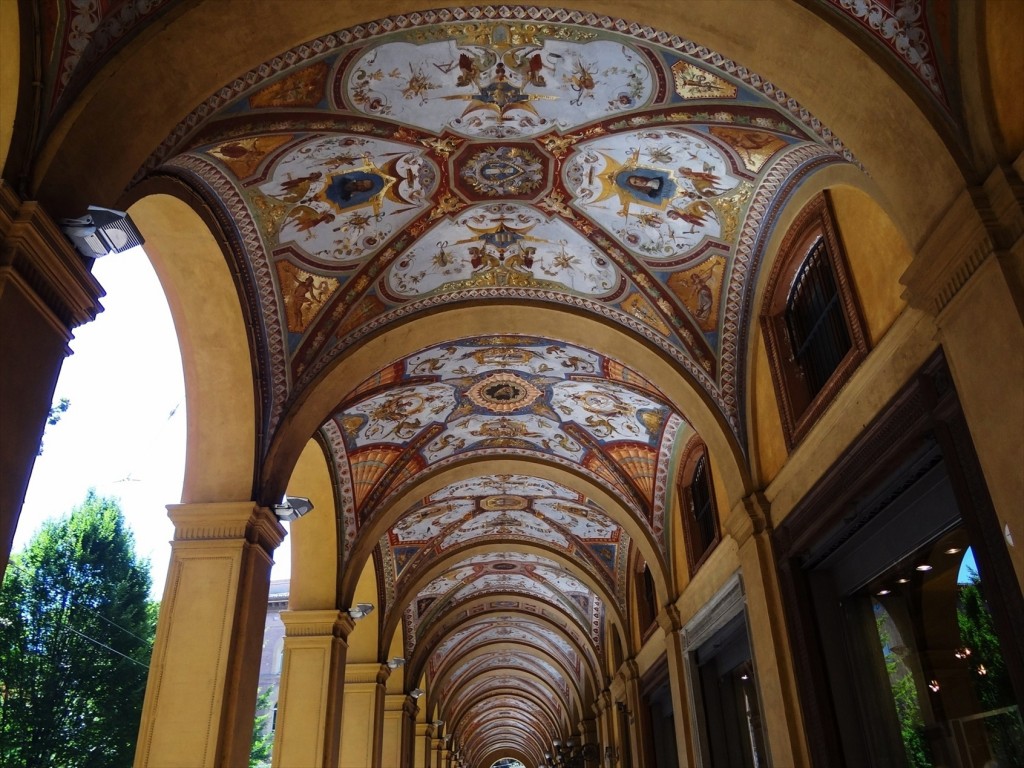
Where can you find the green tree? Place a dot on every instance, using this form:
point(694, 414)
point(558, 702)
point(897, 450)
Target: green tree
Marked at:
point(76, 631)
point(262, 736)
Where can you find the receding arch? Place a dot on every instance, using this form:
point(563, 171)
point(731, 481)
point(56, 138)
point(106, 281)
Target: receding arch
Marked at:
point(373, 529)
point(454, 556)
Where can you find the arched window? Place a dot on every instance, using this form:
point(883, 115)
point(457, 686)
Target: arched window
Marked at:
point(813, 328)
point(647, 599)
point(697, 498)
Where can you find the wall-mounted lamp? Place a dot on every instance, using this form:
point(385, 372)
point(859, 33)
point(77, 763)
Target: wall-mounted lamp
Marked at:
point(102, 231)
point(416, 692)
point(396, 662)
point(438, 723)
point(292, 508)
point(359, 610)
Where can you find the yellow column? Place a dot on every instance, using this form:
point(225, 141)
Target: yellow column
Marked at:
point(45, 292)
point(312, 680)
point(201, 695)
point(970, 275)
point(671, 625)
point(361, 715)
point(769, 642)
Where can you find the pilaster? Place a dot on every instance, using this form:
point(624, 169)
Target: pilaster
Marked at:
point(201, 695)
point(769, 642)
point(45, 292)
point(671, 625)
point(969, 275)
point(312, 680)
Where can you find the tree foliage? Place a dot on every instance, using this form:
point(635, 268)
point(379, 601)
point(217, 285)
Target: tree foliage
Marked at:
point(262, 736)
point(76, 631)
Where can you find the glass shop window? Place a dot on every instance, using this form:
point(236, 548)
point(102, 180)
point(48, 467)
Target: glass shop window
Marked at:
point(949, 694)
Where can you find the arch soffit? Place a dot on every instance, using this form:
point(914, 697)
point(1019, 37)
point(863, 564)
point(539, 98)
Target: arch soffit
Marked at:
point(489, 684)
point(481, 694)
point(586, 652)
point(497, 649)
point(221, 405)
point(372, 531)
point(542, 626)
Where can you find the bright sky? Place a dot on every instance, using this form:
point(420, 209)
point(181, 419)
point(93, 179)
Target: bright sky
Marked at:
point(124, 433)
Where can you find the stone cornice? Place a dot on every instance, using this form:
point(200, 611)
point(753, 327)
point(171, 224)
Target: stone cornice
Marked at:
point(226, 521)
point(981, 221)
point(35, 249)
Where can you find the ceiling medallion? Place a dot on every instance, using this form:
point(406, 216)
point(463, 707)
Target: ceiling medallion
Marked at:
point(502, 502)
point(504, 171)
point(503, 393)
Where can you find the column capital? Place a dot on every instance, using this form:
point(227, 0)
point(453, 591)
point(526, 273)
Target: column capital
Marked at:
point(41, 258)
point(751, 516)
point(317, 623)
point(669, 619)
point(226, 520)
point(362, 672)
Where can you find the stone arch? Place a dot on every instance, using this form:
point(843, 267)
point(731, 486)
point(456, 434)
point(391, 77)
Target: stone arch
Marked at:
point(221, 404)
point(875, 274)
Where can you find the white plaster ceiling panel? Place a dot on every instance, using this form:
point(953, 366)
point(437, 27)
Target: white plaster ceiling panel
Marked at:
point(609, 412)
point(659, 192)
point(497, 524)
point(342, 197)
point(495, 85)
point(583, 521)
point(509, 353)
point(527, 430)
point(504, 244)
point(396, 416)
point(506, 662)
point(499, 485)
point(425, 523)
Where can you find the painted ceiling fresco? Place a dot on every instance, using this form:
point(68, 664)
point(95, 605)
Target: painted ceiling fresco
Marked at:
point(509, 396)
point(393, 169)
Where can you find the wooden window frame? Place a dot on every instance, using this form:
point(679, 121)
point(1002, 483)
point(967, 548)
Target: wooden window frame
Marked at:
point(797, 408)
point(694, 452)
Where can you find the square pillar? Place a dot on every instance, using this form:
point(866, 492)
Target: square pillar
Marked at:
point(312, 680)
point(201, 696)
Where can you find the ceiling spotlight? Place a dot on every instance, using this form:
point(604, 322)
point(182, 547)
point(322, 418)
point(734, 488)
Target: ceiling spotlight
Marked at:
point(953, 551)
point(923, 567)
point(292, 508)
point(416, 692)
point(396, 662)
point(903, 580)
point(359, 610)
point(883, 592)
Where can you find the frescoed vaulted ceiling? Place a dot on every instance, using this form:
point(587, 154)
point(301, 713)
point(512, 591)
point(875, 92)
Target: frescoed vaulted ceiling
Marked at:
point(370, 180)
point(387, 171)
